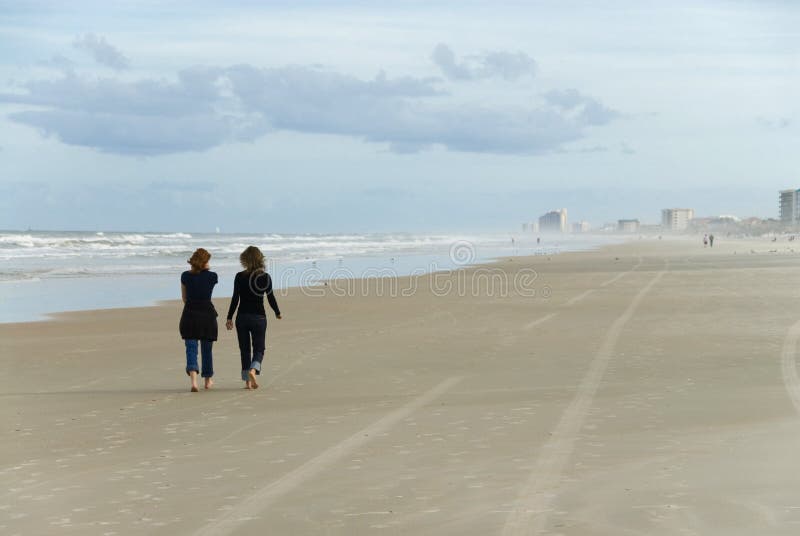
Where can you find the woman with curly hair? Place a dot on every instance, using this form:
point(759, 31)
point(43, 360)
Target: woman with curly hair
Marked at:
point(199, 318)
point(249, 288)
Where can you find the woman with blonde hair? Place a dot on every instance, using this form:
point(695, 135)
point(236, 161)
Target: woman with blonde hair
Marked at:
point(249, 288)
point(199, 318)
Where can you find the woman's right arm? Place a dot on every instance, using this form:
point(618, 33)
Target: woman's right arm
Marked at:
point(234, 302)
point(273, 303)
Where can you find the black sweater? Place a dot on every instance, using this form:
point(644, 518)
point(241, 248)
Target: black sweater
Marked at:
point(250, 288)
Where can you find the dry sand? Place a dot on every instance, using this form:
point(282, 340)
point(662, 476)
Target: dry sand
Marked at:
point(648, 388)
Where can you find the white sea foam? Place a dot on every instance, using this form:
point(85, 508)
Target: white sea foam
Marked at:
point(85, 254)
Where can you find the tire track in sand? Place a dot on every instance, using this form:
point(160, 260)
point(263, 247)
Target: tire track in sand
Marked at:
point(214, 402)
point(532, 509)
point(791, 381)
point(258, 500)
point(575, 299)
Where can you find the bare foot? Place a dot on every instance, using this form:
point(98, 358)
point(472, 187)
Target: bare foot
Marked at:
point(193, 376)
point(247, 385)
point(209, 383)
point(253, 381)
point(195, 389)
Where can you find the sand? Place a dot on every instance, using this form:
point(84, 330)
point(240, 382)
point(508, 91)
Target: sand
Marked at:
point(647, 388)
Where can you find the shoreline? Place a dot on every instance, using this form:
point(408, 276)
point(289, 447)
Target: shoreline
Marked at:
point(747, 245)
point(431, 266)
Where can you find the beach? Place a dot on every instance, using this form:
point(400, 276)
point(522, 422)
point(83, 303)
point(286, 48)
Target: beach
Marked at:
point(643, 388)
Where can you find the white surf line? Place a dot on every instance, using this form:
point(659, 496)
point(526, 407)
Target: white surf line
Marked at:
point(533, 503)
point(788, 366)
point(260, 499)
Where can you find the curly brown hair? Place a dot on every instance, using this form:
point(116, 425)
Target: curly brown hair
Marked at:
point(199, 259)
point(252, 259)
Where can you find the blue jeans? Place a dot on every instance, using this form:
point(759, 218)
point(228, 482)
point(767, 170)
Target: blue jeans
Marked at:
point(191, 357)
point(251, 329)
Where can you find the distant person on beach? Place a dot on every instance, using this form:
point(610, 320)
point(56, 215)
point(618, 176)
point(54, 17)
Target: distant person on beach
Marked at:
point(705, 240)
point(711, 240)
point(249, 288)
point(199, 319)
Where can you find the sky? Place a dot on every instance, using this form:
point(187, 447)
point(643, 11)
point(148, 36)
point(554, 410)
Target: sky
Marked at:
point(344, 116)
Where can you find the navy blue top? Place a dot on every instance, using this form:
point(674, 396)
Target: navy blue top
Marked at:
point(199, 285)
point(250, 288)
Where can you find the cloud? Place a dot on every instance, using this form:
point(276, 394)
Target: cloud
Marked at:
point(144, 117)
point(777, 123)
point(445, 59)
point(507, 65)
point(582, 107)
point(204, 107)
point(128, 134)
point(58, 61)
point(103, 52)
point(591, 149)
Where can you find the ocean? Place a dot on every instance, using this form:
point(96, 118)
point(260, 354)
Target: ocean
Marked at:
point(45, 272)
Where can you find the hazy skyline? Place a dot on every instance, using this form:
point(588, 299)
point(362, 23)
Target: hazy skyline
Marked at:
point(350, 116)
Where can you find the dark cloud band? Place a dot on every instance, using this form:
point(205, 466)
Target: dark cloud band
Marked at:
point(204, 107)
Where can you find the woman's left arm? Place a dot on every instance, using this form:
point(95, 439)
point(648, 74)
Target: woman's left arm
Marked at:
point(273, 303)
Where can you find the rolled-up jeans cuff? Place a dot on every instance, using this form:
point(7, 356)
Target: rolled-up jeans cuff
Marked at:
point(256, 365)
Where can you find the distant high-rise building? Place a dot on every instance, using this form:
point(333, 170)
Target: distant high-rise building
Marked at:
point(627, 226)
point(676, 219)
point(580, 227)
point(789, 206)
point(554, 221)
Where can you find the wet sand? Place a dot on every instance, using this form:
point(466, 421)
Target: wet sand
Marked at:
point(646, 388)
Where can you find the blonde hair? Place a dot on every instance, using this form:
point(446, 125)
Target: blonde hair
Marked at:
point(199, 259)
point(252, 259)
